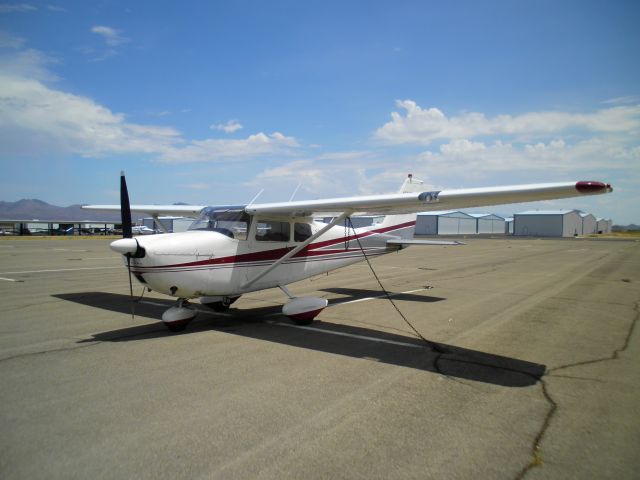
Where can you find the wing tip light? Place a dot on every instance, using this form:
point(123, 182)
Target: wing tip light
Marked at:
point(590, 187)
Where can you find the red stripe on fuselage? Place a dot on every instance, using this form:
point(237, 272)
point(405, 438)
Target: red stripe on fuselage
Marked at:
point(276, 253)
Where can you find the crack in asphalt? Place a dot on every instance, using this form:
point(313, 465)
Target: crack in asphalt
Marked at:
point(536, 449)
point(53, 350)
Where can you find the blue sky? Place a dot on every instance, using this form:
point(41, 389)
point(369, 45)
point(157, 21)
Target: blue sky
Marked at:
point(210, 102)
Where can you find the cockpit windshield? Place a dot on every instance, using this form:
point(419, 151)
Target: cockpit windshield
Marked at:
point(230, 221)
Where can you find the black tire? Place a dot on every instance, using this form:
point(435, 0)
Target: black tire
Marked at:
point(177, 328)
point(302, 321)
point(219, 307)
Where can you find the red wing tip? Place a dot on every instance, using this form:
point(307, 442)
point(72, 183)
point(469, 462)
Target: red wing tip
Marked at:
point(593, 187)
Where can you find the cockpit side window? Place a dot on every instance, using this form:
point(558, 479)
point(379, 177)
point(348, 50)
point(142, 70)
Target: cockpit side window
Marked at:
point(301, 232)
point(272, 231)
point(233, 223)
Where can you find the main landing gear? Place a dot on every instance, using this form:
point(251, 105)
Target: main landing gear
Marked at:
point(302, 310)
point(178, 317)
point(218, 304)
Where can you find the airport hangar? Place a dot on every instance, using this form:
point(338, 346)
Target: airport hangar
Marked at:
point(534, 223)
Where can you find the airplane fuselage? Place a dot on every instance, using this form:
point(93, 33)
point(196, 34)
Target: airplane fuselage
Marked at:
point(204, 263)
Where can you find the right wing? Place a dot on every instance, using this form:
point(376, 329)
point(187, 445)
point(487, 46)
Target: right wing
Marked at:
point(400, 203)
point(397, 203)
point(481, 197)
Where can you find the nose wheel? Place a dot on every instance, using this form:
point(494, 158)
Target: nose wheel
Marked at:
point(178, 317)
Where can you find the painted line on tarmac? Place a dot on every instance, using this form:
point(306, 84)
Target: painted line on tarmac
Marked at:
point(377, 297)
point(10, 280)
point(343, 334)
point(59, 270)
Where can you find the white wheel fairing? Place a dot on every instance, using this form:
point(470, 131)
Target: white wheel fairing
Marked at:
point(304, 308)
point(179, 314)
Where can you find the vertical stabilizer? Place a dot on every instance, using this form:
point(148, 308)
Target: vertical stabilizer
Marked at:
point(410, 185)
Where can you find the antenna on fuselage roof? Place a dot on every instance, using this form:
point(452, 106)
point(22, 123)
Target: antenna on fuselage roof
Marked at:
point(256, 197)
point(295, 191)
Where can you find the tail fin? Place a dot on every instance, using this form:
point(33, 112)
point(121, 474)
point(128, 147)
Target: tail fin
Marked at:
point(406, 223)
point(411, 185)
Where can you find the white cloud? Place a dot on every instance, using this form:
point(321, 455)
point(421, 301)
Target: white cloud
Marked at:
point(10, 41)
point(462, 147)
point(628, 100)
point(28, 64)
point(315, 179)
point(16, 8)
point(214, 149)
point(36, 119)
point(469, 160)
point(420, 126)
point(41, 119)
point(111, 36)
point(229, 127)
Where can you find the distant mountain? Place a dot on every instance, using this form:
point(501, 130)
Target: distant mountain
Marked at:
point(31, 209)
point(625, 228)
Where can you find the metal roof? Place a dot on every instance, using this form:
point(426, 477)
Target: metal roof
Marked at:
point(487, 215)
point(545, 212)
point(442, 213)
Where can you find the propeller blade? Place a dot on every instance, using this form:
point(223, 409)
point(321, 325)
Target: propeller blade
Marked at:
point(125, 215)
point(125, 208)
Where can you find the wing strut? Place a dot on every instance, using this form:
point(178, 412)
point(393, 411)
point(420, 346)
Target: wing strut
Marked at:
point(291, 253)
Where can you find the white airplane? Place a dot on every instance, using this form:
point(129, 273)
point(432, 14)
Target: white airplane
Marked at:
point(142, 230)
point(235, 249)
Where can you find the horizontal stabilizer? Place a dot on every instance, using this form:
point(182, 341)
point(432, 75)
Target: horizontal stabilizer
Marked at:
point(423, 242)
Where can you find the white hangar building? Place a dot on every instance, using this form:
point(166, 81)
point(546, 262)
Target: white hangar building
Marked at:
point(603, 225)
point(445, 222)
point(489, 223)
point(547, 223)
point(589, 223)
point(508, 226)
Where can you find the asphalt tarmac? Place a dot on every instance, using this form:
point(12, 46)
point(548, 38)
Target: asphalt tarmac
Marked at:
point(530, 369)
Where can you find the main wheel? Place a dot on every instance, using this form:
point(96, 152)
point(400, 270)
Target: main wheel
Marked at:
point(302, 321)
point(176, 327)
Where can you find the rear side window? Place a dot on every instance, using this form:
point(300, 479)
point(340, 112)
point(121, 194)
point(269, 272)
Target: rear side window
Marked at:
point(301, 231)
point(272, 231)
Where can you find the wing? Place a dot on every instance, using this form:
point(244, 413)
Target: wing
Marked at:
point(153, 210)
point(436, 200)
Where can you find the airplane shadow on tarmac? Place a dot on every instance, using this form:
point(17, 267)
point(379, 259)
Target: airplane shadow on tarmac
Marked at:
point(268, 324)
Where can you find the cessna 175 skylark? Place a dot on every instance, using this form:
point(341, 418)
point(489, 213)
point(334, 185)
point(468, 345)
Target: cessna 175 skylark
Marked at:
point(235, 249)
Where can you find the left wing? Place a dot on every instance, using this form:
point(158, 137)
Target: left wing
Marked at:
point(436, 200)
point(152, 210)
